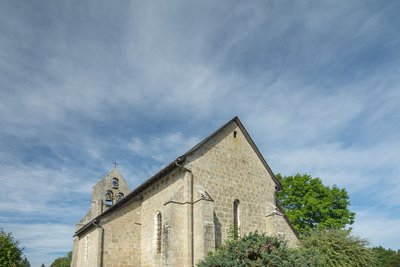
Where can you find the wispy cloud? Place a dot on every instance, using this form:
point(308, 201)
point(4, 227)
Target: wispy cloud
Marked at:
point(85, 83)
point(163, 148)
point(43, 241)
point(380, 225)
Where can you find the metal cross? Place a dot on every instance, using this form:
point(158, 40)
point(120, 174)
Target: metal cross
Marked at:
point(115, 164)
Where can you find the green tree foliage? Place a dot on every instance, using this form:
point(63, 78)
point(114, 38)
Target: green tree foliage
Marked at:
point(387, 257)
point(328, 248)
point(311, 205)
point(394, 260)
point(63, 261)
point(253, 249)
point(10, 253)
point(337, 247)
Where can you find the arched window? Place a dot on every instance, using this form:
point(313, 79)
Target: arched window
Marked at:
point(236, 218)
point(158, 231)
point(108, 198)
point(119, 197)
point(114, 183)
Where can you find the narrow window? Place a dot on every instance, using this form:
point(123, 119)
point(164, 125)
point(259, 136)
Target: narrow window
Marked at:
point(158, 232)
point(236, 219)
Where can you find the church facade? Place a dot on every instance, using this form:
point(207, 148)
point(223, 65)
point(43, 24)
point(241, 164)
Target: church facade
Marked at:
point(187, 209)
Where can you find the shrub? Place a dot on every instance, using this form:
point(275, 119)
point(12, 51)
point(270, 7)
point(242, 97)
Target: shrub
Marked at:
point(253, 249)
point(337, 248)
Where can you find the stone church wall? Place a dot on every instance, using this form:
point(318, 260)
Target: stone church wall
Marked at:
point(86, 251)
point(229, 169)
point(122, 235)
point(167, 197)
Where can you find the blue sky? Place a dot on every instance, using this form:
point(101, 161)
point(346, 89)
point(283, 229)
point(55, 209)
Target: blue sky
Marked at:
point(85, 83)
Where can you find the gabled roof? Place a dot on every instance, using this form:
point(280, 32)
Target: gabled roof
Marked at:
point(174, 164)
point(248, 138)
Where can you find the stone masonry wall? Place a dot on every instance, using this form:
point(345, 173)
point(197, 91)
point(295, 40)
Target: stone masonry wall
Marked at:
point(229, 169)
point(87, 250)
point(167, 196)
point(98, 195)
point(122, 235)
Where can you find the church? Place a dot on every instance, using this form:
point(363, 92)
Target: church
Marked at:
point(187, 209)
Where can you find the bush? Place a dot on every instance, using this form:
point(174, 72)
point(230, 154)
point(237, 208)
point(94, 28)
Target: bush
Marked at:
point(337, 248)
point(387, 257)
point(254, 249)
point(328, 248)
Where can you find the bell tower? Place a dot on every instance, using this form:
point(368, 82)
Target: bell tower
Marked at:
point(111, 189)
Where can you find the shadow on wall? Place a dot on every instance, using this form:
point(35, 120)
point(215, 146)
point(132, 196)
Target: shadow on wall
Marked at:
point(218, 235)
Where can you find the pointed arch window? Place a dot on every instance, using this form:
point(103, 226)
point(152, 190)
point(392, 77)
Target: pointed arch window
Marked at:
point(236, 218)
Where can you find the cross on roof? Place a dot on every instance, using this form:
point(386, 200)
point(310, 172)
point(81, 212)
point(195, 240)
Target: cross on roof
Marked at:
point(115, 164)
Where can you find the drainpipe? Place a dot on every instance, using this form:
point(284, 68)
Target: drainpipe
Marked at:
point(191, 210)
point(101, 242)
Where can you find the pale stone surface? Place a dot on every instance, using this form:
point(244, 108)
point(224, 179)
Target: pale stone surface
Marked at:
point(98, 204)
point(225, 168)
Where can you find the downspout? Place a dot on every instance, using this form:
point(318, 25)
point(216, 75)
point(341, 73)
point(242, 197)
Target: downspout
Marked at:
point(101, 242)
point(191, 210)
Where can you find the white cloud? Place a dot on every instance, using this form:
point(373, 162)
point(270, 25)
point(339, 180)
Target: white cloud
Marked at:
point(378, 226)
point(162, 148)
point(306, 80)
point(347, 166)
point(43, 242)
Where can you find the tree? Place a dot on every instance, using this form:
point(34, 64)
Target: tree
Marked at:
point(387, 257)
point(337, 247)
point(63, 261)
point(10, 253)
point(394, 260)
point(311, 205)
